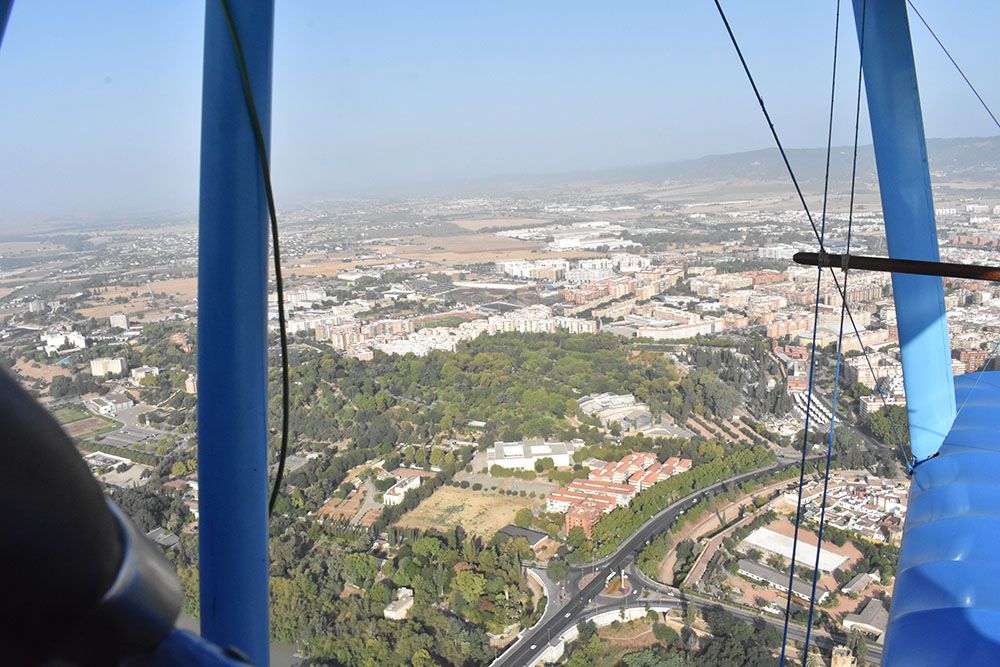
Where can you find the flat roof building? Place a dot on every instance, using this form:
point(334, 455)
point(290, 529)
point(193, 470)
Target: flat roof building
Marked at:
point(583, 516)
point(107, 366)
point(395, 494)
point(400, 607)
point(533, 537)
point(521, 455)
point(109, 404)
point(774, 542)
point(779, 580)
point(872, 619)
point(622, 493)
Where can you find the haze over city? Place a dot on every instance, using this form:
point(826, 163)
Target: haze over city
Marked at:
point(100, 103)
point(560, 390)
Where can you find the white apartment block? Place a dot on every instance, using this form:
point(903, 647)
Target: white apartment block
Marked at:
point(107, 366)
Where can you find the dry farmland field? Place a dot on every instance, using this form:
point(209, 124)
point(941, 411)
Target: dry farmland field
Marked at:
point(479, 512)
point(471, 249)
point(83, 426)
point(475, 224)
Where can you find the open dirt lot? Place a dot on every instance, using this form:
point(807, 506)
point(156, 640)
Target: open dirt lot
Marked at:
point(43, 372)
point(336, 509)
point(322, 266)
point(8, 248)
point(185, 289)
point(480, 512)
point(85, 426)
point(472, 249)
point(460, 243)
point(475, 224)
point(181, 290)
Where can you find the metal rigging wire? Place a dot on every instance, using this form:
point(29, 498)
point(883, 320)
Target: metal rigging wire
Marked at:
point(840, 342)
point(947, 53)
point(819, 233)
point(805, 206)
point(812, 352)
point(278, 281)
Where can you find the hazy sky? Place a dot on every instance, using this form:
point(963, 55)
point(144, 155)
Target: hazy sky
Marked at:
point(99, 101)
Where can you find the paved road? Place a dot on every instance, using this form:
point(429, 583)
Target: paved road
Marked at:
point(796, 631)
point(576, 607)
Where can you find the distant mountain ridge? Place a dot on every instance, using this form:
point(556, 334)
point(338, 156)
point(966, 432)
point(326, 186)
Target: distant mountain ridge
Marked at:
point(973, 157)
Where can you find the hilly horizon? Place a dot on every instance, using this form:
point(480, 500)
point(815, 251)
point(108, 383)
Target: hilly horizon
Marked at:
point(977, 158)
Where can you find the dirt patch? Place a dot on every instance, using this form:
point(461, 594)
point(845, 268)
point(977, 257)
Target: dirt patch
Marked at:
point(472, 249)
point(337, 509)
point(27, 247)
point(185, 289)
point(139, 298)
point(479, 512)
point(44, 372)
point(634, 634)
point(83, 426)
point(461, 243)
point(698, 429)
point(475, 224)
point(370, 517)
point(331, 266)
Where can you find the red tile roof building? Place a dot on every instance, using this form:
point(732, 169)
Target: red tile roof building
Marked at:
point(584, 516)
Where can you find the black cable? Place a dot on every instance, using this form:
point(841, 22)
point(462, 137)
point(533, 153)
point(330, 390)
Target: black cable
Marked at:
point(840, 339)
point(943, 48)
point(812, 355)
point(798, 189)
point(770, 123)
point(279, 283)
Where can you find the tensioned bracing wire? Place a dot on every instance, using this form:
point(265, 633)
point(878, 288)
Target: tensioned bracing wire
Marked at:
point(840, 341)
point(279, 283)
point(812, 352)
point(947, 53)
point(802, 201)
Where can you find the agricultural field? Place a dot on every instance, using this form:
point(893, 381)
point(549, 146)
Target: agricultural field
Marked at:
point(475, 224)
point(330, 266)
point(482, 513)
point(136, 299)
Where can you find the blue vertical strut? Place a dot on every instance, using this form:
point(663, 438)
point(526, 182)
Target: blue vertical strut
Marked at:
point(5, 7)
point(908, 207)
point(232, 334)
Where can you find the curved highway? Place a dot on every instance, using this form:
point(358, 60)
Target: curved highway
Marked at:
point(527, 649)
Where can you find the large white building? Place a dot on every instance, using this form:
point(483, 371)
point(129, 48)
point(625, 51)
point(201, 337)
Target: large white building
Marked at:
point(775, 579)
point(142, 372)
point(774, 542)
point(523, 454)
point(107, 366)
point(395, 494)
point(621, 409)
point(400, 607)
point(53, 342)
point(109, 404)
